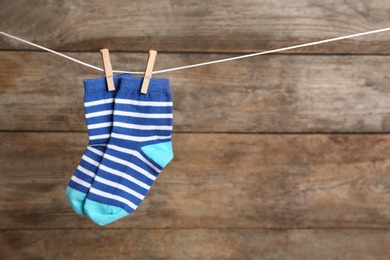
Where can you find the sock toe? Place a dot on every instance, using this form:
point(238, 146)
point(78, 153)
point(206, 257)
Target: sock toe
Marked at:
point(102, 214)
point(76, 200)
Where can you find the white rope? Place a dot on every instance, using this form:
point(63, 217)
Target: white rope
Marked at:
point(204, 63)
point(49, 50)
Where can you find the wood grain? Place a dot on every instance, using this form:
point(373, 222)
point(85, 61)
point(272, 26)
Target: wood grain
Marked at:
point(195, 244)
point(193, 26)
point(278, 94)
point(215, 181)
point(276, 157)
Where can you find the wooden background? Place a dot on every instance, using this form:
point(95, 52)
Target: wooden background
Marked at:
point(282, 156)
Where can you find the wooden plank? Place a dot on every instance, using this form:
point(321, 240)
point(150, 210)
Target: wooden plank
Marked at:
point(206, 26)
point(195, 244)
point(215, 181)
point(282, 93)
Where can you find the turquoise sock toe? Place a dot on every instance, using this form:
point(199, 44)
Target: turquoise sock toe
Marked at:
point(102, 214)
point(76, 200)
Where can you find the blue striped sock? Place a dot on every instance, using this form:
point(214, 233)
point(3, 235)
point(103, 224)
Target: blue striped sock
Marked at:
point(139, 148)
point(98, 107)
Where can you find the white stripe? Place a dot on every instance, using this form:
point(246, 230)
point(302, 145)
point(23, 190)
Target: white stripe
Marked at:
point(114, 197)
point(85, 171)
point(81, 182)
point(135, 153)
point(130, 165)
point(87, 159)
point(95, 151)
point(99, 102)
point(143, 127)
point(142, 115)
point(124, 175)
point(143, 103)
point(101, 125)
point(100, 113)
point(95, 137)
point(139, 138)
point(92, 145)
point(119, 186)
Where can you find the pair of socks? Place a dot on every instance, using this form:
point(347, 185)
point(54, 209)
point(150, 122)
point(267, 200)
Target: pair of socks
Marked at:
point(129, 145)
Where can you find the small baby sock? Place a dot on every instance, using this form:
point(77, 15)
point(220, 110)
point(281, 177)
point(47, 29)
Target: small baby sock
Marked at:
point(139, 148)
point(98, 108)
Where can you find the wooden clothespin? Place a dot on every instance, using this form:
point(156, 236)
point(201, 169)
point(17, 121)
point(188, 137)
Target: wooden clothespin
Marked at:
point(148, 71)
point(108, 69)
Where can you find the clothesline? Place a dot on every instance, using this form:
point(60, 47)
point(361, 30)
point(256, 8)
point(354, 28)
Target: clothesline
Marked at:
point(203, 63)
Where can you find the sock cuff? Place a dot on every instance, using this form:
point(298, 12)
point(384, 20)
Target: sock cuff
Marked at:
point(100, 84)
point(156, 85)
